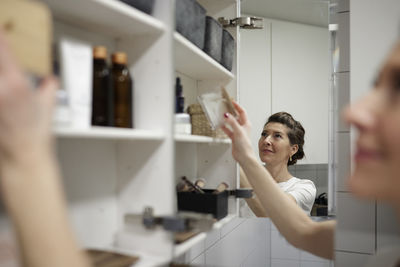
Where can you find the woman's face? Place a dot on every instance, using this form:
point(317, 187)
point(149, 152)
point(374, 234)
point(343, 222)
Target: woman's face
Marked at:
point(377, 118)
point(274, 146)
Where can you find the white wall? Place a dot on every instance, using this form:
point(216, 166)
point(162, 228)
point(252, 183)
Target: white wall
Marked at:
point(300, 82)
point(255, 78)
point(285, 67)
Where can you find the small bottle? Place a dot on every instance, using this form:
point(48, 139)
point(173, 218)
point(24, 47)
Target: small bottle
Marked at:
point(102, 98)
point(122, 84)
point(179, 99)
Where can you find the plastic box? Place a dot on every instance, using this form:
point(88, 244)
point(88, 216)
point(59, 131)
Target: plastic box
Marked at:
point(143, 5)
point(228, 50)
point(215, 204)
point(190, 19)
point(213, 39)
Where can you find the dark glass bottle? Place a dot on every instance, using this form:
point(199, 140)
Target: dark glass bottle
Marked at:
point(102, 97)
point(122, 84)
point(179, 99)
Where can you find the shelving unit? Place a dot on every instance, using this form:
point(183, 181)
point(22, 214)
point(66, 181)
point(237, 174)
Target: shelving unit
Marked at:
point(110, 172)
point(201, 156)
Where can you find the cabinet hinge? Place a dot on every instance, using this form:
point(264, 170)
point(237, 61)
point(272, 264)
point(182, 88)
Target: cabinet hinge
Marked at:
point(242, 22)
point(184, 221)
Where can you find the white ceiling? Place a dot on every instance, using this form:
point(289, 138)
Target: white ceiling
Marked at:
point(312, 12)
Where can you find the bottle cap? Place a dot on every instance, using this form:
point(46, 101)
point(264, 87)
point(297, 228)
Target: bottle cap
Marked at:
point(119, 58)
point(100, 52)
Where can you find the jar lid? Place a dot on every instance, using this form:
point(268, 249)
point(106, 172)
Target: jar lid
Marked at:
point(119, 58)
point(100, 52)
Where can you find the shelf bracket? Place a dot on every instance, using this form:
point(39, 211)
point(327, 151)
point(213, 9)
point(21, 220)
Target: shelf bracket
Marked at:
point(184, 221)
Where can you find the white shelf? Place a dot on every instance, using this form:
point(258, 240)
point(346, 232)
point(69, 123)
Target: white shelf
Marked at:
point(110, 17)
point(215, 6)
point(195, 63)
point(185, 246)
point(109, 133)
point(185, 138)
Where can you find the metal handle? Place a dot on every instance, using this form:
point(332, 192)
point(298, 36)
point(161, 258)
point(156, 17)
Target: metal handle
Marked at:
point(242, 22)
point(184, 221)
point(241, 193)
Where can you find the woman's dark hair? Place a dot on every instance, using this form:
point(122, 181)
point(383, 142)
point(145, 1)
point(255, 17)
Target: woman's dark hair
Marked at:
point(296, 133)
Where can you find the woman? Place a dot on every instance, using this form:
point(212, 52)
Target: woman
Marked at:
point(281, 145)
point(377, 118)
point(30, 184)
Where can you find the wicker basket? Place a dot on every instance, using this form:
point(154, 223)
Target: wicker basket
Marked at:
point(200, 124)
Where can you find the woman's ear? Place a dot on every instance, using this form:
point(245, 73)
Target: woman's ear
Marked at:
point(294, 149)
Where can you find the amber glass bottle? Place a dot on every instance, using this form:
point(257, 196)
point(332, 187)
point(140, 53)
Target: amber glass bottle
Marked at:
point(102, 98)
point(122, 84)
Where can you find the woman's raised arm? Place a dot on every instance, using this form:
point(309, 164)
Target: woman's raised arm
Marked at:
point(291, 221)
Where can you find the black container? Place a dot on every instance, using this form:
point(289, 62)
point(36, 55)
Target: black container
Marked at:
point(143, 5)
point(190, 21)
point(215, 204)
point(228, 50)
point(213, 39)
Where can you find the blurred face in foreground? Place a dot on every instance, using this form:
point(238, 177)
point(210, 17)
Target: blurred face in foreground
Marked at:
point(377, 119)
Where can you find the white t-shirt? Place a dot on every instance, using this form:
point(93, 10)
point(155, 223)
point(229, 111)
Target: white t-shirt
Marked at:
point(302, 190)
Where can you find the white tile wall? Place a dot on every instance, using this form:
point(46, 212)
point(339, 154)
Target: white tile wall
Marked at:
point(305, 256)
point(322, 176)
point(314, 263)
point(257, 259)
point(231, 225)
point(253, 243)
point(388, 232)
point(233, 248)
point(356, 224)
point(284, 263)
point(212, 237)
point(199, 260)
point(195, 251)
point(344, 259)
point(343, 99)
point(281, 249)
point(318, 173)
point(343, 161)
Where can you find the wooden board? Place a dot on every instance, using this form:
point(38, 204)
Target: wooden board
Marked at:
point(102, 258)
point(28, 29)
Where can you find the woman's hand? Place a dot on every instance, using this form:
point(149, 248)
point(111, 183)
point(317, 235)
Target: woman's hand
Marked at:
point(238, 131)
point(25, 112)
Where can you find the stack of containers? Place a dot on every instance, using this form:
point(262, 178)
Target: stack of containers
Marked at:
point(204, 31)
point(190, 21)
